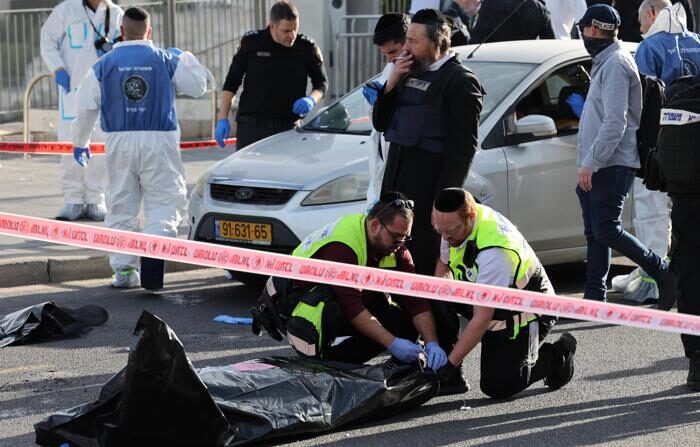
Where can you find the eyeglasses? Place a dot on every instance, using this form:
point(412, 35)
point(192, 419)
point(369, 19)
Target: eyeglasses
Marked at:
point(451, 232)
point(398, 203)
point(398, 237)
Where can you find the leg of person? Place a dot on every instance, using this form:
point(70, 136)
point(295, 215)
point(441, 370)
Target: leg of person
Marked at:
point(71, 176)
point(96, 183)
point(164, 189)
point(359, 348)
point(248, 133)
point(685, 215)
point(597, 254)
point(123, 202)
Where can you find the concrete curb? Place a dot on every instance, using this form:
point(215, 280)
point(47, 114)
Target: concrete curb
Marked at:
point(40, 270)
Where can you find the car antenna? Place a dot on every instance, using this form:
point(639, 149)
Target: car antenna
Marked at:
point(503, 22)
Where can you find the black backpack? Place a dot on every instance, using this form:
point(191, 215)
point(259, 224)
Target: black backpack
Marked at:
point(648, 132)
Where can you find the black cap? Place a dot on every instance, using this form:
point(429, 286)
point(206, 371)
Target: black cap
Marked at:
point(601, 16)
point(450, 200)
point(136, 13)
point(428, 16)
point(391, 26)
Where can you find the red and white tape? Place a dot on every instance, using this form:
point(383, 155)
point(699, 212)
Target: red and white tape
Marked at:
point(52, 148)
point(253, 261)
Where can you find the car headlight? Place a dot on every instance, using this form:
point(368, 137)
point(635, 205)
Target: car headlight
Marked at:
point(349, 188)
point(201, 184)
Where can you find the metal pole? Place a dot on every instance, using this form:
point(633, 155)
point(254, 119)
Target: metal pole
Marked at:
point(170, 24)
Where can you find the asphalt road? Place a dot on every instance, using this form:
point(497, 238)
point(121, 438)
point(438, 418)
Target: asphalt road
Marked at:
point(629, 386)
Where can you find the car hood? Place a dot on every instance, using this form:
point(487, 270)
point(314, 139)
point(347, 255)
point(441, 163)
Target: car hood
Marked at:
point(295, 160)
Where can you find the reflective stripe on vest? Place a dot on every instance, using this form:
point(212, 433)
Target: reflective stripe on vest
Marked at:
point(348, 230)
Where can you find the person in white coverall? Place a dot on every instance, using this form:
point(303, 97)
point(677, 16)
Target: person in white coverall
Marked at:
point(565, 14)
point(667, 52)
point(389, 37)
point(133, 87)
point(75, 34)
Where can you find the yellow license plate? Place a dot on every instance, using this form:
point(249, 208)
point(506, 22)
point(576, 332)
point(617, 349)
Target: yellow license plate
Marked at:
point(231, 230)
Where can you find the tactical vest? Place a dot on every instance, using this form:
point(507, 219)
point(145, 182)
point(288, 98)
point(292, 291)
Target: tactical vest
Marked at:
point(419, 119)
point(492, 230)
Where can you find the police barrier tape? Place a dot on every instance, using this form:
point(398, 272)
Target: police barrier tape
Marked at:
point(95, 148)
point(253, 261)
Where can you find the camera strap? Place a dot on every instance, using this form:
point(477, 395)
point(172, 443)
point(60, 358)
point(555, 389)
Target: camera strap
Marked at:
point(85, 6)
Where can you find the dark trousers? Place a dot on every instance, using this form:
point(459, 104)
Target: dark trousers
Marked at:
point(250, 130)
point(602, 222)
point(414, 172)
point(685, 218)
point(359, 348)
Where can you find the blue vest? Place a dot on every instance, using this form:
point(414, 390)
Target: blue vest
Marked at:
point(419, 119)
point(137, 89)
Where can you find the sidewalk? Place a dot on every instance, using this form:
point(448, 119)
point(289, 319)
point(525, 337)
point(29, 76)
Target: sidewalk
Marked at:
point(30, 186)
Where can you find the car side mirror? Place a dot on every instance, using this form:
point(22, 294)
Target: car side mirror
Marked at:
point(531, 128)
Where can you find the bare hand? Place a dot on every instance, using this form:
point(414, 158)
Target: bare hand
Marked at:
point(585, 179)
point(402, 65)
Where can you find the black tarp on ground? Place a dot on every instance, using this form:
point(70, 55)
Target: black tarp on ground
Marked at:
point(159, 398)
point(46, 321)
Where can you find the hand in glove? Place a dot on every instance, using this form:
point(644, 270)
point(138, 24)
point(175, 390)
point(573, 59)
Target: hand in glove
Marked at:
point(62, 79)
point(370, 91)
point(81, 155)
point(223, 128)
point(446, 372)
point(576, 102)
point(436, 355)
point(404, 350)
point(302, 106)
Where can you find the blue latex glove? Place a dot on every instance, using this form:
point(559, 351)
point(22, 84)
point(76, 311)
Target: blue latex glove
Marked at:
point(436, 356)
point(175, 51)
point(223, 128)
point(81, 155)
point(576, 101)
point(370, 90)
point(302, 106)
point(233, 320)
point(62, 79)
point(404, 350)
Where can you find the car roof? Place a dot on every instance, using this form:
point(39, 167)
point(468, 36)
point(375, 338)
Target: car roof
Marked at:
point(528, 51)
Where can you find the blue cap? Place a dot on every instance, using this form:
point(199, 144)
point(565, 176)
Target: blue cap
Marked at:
point(601, 16)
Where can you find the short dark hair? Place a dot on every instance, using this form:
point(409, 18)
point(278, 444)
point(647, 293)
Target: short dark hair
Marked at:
point(390, 205)
point(283, 10)
point(436, 27)
point(390, 27)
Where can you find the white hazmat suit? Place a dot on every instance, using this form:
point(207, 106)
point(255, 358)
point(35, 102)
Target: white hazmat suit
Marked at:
point(68, 40)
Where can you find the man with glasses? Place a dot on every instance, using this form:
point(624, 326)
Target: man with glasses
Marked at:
point(482, 246)
point(366, 322)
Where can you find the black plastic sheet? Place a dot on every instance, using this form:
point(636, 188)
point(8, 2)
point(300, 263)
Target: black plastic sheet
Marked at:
point(160, 399)
point(46, 321)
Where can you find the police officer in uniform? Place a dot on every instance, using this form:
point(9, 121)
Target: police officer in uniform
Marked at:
point(486, 248)
point(273, 64)
point(370, 322)
point(429, 111)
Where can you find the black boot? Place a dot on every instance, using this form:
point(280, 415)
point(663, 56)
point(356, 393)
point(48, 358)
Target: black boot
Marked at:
point(694, 372)
point(452, 380)
point(566, 346)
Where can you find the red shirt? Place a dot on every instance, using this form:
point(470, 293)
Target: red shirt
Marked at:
point(353, 301)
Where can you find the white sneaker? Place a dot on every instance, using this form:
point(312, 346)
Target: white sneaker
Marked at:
point(620, 282)
point(71, 211)
point(96, 211)
point(126, 279)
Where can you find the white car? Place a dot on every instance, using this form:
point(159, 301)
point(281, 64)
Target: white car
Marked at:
point(271, 194)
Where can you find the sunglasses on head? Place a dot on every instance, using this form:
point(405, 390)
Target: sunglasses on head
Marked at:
point(397, 202)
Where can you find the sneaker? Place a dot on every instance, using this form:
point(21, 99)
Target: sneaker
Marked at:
point(71, 211)
point(620, 282)
point(566, 345)
point(126, 279)
point(641, 290)
point(455, 384)
point(96, 211)
point(694, 372)
point(668, 290)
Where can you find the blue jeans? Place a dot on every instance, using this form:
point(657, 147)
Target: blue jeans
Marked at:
point(602, 222)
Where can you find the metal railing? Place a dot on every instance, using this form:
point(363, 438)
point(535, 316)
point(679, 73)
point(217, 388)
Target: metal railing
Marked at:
point(356, 56)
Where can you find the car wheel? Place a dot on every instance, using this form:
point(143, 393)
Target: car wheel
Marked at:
point(249, 279)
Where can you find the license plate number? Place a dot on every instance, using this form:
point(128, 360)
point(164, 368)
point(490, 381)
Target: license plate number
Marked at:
point(255, 233)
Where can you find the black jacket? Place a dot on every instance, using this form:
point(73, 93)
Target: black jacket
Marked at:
point(530, 21)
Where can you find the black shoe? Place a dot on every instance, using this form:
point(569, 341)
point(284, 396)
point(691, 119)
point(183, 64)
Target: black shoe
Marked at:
point(566, 345)
point(454, 383)
point(668, 290)
point(694, 372)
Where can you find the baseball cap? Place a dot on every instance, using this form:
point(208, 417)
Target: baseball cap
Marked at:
point(601, 16)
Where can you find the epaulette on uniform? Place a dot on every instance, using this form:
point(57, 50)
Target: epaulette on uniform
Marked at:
point(307, 39)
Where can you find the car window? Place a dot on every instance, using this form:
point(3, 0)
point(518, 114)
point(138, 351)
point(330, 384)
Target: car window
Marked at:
point(498, 80)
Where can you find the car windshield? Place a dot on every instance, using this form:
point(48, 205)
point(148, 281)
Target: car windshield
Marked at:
point(351, 113)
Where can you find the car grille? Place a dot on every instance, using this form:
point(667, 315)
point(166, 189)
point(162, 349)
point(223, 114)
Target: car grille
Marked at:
point(251, 195)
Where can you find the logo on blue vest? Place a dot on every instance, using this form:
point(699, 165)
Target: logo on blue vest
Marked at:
point(135, 88)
